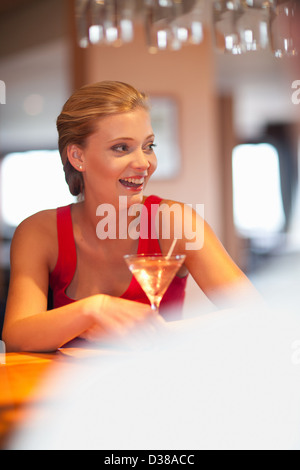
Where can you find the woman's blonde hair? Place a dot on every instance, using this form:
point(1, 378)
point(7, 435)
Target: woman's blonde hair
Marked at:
point(81, 112)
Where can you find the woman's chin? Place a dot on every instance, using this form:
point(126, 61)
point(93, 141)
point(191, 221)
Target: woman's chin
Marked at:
point(136, 198)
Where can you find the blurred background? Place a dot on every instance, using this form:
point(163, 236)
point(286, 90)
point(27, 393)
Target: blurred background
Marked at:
point(225, 121)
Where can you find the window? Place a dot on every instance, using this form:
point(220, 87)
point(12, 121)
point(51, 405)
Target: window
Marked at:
point(257, 199)
point(31, 181)
point(164, 118)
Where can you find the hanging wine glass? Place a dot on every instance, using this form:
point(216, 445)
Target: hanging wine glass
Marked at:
point(188, 24)
point(225, 31)
point(107, 22)
point(82, 26)
point(96, 27)
point(170, 24)
point(283, 29)
point(159, 31)
point(254, 25)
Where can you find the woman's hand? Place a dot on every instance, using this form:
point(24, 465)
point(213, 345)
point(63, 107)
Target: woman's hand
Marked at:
point(113, 317)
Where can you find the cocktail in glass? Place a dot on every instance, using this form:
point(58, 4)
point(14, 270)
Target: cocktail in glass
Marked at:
point(154, 273)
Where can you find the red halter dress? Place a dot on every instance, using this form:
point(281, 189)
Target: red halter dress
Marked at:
point(63, 273)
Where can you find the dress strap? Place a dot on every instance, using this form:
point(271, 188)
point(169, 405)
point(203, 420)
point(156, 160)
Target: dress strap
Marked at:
point(66, 262)
point(149, 243)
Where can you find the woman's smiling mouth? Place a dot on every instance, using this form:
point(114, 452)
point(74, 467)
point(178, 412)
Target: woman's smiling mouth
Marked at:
point(133, 183)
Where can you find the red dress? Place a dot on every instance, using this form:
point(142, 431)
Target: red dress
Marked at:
point(64, 271)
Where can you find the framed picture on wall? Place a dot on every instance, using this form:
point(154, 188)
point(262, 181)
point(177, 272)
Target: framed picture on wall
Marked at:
point(164, 115)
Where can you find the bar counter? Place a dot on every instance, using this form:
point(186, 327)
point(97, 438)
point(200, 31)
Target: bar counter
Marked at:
point(32, 384)
point(227, 380)
point(20, 377)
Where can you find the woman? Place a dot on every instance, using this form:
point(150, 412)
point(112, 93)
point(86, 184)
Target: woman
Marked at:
point(106, 144)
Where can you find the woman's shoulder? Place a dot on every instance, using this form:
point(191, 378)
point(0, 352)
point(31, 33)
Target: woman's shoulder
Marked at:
point(37, 235)
point(41, 222)
point(161, 201)
point(182, 221)
point(178, 208)
point(182, 210)
point(36, 238)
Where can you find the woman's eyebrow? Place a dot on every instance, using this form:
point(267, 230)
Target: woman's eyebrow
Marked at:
point(120, 138)
point(129, 138)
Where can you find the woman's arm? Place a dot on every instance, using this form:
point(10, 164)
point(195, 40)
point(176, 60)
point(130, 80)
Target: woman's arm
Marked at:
point(213, 269)
point(28, 326)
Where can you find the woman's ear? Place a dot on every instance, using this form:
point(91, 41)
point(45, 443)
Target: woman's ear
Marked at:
point(75, 157)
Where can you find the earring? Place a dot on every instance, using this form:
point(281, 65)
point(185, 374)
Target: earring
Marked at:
point(80, 167)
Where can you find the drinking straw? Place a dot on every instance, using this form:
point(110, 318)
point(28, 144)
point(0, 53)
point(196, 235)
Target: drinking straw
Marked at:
point(171, 248)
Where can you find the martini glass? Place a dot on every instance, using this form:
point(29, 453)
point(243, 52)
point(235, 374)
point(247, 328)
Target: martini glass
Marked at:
point(154, 273)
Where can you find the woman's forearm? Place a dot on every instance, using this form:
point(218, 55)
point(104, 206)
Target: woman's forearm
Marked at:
point(49, 330)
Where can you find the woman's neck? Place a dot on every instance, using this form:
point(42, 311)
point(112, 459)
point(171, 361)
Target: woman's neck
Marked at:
point(109, 221)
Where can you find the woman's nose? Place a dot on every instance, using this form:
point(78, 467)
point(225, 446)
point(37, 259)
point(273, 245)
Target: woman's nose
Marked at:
point(140, 160)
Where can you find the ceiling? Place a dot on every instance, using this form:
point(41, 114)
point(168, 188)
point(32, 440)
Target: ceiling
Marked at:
point(259, 83)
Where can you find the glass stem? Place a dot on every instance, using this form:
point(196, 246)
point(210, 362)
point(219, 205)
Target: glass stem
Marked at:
point(155, 307)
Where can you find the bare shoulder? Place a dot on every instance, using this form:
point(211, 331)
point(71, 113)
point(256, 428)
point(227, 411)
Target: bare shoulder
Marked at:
point(181, 221)
point(170, 204)
point(43, 223)
point(37, 234)
point(181, 211)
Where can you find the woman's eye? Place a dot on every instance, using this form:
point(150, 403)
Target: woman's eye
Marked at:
point(124, 148)
point(151, 147)
point(120, 148)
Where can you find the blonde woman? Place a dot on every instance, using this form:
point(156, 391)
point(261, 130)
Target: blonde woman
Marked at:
point(106, 143)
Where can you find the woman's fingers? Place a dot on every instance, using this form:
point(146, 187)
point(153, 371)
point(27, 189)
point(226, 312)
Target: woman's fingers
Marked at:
point(124, 319)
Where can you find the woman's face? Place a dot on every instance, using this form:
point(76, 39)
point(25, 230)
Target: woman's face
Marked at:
point(119, 157)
